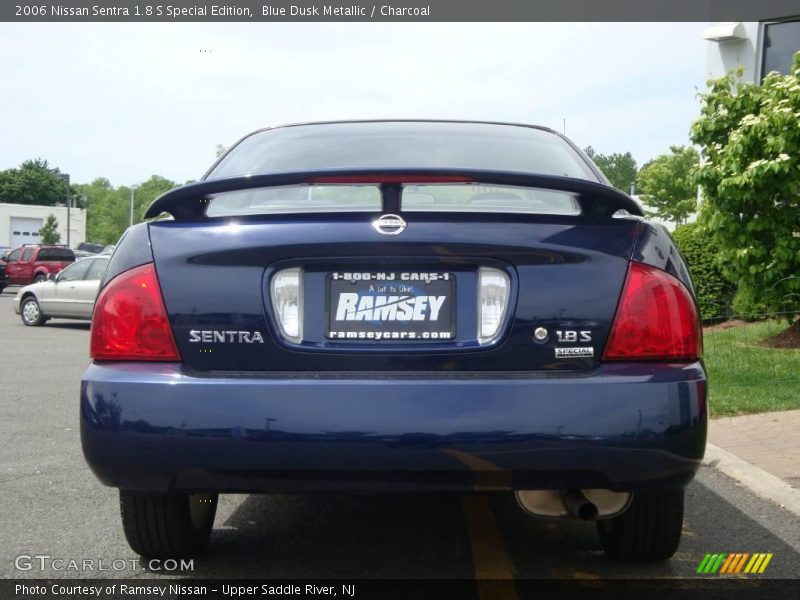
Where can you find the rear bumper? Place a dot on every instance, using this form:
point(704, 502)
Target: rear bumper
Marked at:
point(623, 427)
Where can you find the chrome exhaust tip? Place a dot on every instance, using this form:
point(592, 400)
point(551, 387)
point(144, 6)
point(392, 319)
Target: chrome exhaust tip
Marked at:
point(579, 506)
point(585, 505)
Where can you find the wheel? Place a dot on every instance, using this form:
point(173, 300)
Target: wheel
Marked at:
point(40, 278)
point(649, 531)
point(31, 313)
point(167, 525)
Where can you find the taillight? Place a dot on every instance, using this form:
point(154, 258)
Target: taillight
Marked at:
point(130, 320)
point(408, 178)
point(656, 319)
point(493, 291)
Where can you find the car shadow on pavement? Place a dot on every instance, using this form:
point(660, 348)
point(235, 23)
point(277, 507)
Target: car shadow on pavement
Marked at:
point(400, 536)
point(339, 536)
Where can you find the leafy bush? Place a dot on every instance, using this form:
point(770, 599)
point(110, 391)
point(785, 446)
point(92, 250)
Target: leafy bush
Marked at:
point(750, 140)
point(746, 305)
point(713, 291)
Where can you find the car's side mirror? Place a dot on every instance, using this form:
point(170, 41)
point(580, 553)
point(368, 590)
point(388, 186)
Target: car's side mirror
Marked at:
point(52, 277)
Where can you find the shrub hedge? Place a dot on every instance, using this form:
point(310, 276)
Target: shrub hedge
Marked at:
point(714, 292)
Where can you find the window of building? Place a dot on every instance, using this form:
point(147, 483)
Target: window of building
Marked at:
point(781, 41)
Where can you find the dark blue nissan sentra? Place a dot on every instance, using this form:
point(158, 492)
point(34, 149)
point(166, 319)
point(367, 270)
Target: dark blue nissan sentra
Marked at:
point(398, 306)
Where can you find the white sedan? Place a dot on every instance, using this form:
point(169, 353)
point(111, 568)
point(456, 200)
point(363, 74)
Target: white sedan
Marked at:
point(68, 295)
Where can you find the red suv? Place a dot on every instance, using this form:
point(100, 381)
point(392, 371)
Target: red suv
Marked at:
point(32, 264)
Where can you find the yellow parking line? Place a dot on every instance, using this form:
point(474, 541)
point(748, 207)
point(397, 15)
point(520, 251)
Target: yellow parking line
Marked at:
point(488, 476)
point(494, 571)
point(492, 565)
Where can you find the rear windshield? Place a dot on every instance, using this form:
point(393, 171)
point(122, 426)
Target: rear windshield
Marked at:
point(488, 199)
point(295, 199)
point(461, 197)
point(59, 254)
point(404, 144)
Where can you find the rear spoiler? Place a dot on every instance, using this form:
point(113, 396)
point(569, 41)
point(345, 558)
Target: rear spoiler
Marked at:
point(596, 199)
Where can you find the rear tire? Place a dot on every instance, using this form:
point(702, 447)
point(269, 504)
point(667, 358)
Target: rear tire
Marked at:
point(31, 312)
point(40, 278)
point(167, 525)
point(649, 531)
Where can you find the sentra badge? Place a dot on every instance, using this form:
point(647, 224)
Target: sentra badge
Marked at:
point(222, 336)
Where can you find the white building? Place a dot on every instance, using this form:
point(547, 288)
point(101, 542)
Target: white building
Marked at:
point(20, 223)
point(757, 48)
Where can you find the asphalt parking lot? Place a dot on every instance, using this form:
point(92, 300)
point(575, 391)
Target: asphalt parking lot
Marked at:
point(54, 506)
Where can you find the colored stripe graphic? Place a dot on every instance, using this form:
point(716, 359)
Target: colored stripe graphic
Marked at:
point(740, 563)
point(703, 563)
point(711, 563)
point(734, 563)
point(754, 563)
point(726, 566)
point(764, 564)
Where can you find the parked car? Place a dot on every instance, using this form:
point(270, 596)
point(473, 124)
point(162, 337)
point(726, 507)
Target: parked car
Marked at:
point(4, 250)
point(397, 306)
point(68, 295)
point(33, 263)
point(3, 279)
point(90, 247)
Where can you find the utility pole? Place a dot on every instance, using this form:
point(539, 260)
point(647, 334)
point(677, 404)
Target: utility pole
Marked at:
point(133, 194)
point(65, 177)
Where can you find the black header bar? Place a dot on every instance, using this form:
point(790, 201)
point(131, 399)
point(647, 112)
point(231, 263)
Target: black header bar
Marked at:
point(395, 10)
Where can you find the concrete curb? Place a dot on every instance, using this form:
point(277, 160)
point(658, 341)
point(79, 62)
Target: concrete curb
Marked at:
point(757, 480)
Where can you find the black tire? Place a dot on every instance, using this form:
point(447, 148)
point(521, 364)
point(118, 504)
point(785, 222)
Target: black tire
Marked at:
point(167, 525)
point(649, 531)
point(40, 278)
point(31, 313)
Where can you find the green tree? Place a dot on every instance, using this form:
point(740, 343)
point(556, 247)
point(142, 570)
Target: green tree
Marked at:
point(619, 168)
point(49, 231)
point(33, 182)
point(106, 217)
point(667, 184)
point(149, 191)
point(108, 208)
point(750, 175)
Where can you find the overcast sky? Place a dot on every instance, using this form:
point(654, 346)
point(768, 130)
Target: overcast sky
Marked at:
point(126, 101)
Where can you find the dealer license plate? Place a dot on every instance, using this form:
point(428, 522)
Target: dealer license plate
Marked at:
point(391, 306)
